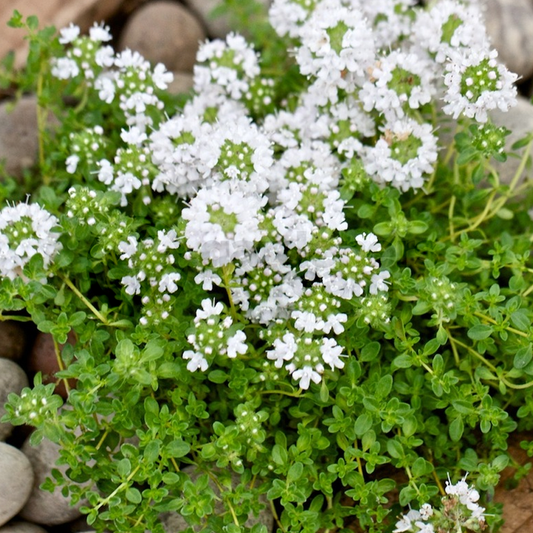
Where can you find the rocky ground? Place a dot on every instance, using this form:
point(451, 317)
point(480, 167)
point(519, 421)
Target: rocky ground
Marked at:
point(169, 32)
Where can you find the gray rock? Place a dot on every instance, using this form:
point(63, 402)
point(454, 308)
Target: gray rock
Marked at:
point(12, 379)
point(18, 135)
point(16, 481)
point(164, 32)
point(509, 24)
point(519, 120)
point(183, 82)
point(173, 521)
point(22, 527)
point(43, 507)
point(12, 340)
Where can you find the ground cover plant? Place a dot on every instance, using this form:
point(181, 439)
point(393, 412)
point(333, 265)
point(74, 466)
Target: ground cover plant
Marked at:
point(307, 279)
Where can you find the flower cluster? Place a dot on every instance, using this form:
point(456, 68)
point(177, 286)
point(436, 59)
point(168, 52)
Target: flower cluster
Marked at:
point(25, 230)
point(460, 512)
point(153, 275)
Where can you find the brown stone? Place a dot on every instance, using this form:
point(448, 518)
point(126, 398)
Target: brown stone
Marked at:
point(43, 359)
point(19, 139)
point(183, 82)
point(59, 13)
point(12, 340)
point(164, 32)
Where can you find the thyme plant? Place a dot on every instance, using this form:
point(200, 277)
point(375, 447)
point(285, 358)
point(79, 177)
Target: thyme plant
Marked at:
point(307, 279)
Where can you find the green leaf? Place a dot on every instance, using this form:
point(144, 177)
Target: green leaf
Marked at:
point(505, 214)
point(363, 424)
point(480, 332)
point(456, 429)
point(218, 376)
point(416, 227)
point(295, 472)
point(151, 452)
point(370, 351)
point(124, 467)
point(133, 495)
point(177, 448)
point(523, 357)
point(383, 229)
point(16, 20)
point(520, 320)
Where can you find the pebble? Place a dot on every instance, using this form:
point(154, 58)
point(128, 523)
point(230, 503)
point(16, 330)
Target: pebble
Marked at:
point(217, 27)
point(16, 481)
point(13, 340)
point(164, 32)
point(12, 379)
point(22, 527)
point(18, 135)
point(44, 507)
point(509, 24)
point(173, 521)
point(183, 82)
point(43, 359)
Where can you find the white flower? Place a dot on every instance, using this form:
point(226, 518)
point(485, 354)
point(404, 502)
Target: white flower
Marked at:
point(207, 278)
point(306, 375)
point(196, 361)
point(284, 350)
point(331, 353)
point(72, 163)
point(25, 230)
point(64, 68)
point(133, 136)
point(161, 76)
point(378, 283)
point(402, 156)
point(237, 344)
point(368, 243)
point(106, 88)
point(406, 522)
point(132, 284)
point(168, 282)
point(476, 84)
point(209, 308)
point(129, 248)
point(105, 56)
point(69, 34)
point(99, 33)
point(223, 225)
point(167, 239)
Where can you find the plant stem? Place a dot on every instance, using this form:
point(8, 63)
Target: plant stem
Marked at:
point(89, 305)
point(60, 364)
point(226, 275)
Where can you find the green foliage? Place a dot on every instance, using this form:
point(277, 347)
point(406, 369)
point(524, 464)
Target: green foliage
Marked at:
point(436, 378)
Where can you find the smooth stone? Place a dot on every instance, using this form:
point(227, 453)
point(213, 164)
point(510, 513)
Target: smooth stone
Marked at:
point(22, 527)
point(183, 82)
point(164, 32)
point(217, 27)
point(19, 141)
point(519, 119)
point(43, 359)
point(173, 521)
point(16, 481)
point(13, 340)
point(509, 24)
point(43, 507)
point(12, 379)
